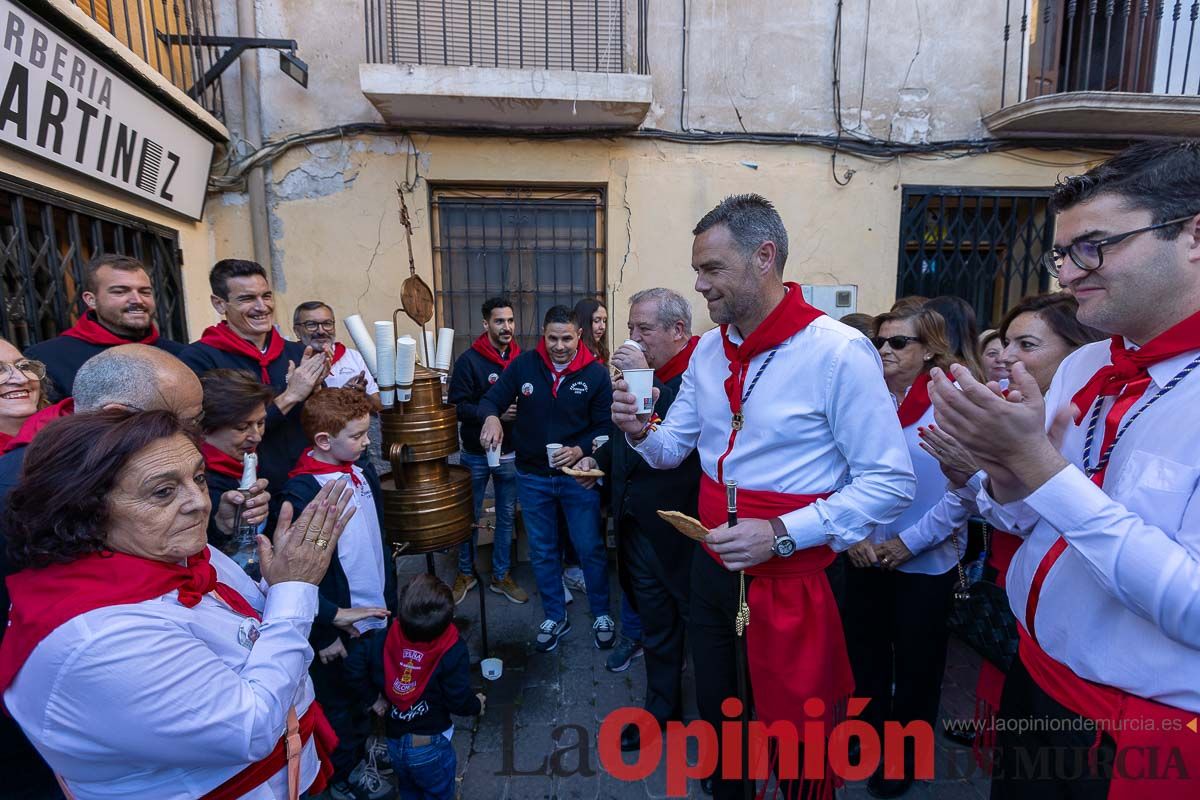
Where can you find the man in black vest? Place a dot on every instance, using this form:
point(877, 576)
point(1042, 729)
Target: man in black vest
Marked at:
point(655, 558)
point(120, 302)
point(247, 340)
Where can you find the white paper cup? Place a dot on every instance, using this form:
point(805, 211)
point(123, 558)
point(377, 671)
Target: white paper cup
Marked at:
point(551, 449)
point(641, 385)
point(632, 342)
point(493, 455)
point(492, 668)
point(598, 442)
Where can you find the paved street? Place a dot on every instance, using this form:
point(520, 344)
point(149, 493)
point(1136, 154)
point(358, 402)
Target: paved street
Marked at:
point(509, 753)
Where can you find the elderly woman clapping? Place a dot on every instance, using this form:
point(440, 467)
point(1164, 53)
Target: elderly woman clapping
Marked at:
point(139, 661)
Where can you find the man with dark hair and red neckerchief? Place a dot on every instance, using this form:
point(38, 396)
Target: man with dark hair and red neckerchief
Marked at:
point(1100, 480)
point(247, 340)
point(791, 405)
point(120, 310)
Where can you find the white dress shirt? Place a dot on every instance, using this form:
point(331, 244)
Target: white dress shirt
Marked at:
point(346, 368)
point(926, 526)
point(1121, 606)
point(820, 419)
point(156, 700)
point(359, 551)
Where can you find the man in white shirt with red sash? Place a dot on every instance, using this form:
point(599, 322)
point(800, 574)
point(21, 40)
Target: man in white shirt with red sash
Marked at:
point(1106, 585)
point(792, 405)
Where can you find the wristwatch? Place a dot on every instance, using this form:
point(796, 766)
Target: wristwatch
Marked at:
point(784, 544)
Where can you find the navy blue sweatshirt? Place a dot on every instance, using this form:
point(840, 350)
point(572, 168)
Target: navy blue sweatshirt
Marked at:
point(64, 355)
point(447, 692)
point(284, 439)
point(334, 590)
point(578, 412)
point(474, 373)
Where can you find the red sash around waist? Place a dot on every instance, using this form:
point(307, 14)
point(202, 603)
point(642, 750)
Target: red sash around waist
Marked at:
point(1148, 733)
point(313, 723)
point(794, 642)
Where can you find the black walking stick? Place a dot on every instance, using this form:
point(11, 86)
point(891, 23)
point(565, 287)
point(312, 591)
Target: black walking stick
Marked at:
point(740, 622)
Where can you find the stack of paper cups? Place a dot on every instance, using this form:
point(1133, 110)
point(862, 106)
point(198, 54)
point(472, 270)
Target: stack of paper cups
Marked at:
point(445, 348)
point(427, 354)
point(385, 346)
point(406, 363)
point(362, 341)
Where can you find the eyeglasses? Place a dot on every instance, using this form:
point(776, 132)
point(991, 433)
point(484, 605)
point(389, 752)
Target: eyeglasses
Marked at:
point(1089, 255)
point(28, 368)
point(312, 326)
point(894, 342)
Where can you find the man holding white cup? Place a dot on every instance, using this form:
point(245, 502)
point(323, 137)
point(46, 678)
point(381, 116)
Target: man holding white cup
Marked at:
point(563, 396)
point(475, 371)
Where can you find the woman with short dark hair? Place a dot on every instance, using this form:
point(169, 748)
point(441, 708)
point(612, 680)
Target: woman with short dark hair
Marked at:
point(140, 661)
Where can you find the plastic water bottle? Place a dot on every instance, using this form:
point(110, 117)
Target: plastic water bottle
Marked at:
point(245, 535)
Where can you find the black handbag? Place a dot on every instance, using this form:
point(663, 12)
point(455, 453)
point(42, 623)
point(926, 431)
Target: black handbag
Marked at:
point(981, 616)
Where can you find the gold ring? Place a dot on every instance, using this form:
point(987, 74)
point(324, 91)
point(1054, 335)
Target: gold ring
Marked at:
point(321, 543)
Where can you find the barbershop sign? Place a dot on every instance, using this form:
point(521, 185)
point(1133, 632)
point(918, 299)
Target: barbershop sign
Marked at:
point(59, 103)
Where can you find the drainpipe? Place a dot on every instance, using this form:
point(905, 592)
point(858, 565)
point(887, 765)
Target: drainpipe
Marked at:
point(260, 230)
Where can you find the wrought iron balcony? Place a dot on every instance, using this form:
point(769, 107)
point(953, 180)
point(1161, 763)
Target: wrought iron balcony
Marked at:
point(146, 27)
point(1100, 68)
point(467, 63)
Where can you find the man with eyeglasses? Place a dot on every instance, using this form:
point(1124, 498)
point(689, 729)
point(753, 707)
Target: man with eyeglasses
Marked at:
point(120, 304)
point(315, 326)
point(1101, 478)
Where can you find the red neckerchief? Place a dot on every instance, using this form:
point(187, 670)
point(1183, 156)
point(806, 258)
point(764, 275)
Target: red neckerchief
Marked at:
point(91, 331)
point(220, 462)
point(339, 350)
point(39, 420)
point(582, 358)
point(46, 598)
point(408, 666)
point(678, 363)
point(791, 316)
point(483, 345)
point(916, 402)
point(307, 465)
point(222, 337)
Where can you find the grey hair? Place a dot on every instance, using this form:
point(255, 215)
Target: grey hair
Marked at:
point(752, 220)
point(672, 307)
point(112, 377)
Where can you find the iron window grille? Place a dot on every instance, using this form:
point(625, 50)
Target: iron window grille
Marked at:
point(539, 246)
point(983, 245)
point(46, 239)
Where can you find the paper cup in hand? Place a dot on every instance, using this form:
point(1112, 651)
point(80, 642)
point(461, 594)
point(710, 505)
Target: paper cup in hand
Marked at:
point(492, 668)
point(493, 455)
point(641, 386)
point(599, 442)
point(551, 449)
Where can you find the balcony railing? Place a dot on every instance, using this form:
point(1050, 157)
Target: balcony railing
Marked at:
point(576, 35)
point(142, 25)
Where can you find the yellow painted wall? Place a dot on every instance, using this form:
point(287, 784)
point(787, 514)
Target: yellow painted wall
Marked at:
point(346, 246)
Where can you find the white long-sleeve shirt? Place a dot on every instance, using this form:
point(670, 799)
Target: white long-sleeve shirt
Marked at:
point(1121, 606)
point(154, 699)
point(820, 419)
point(926, 526)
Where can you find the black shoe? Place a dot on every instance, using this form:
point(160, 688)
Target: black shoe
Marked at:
point(879, 786)
point(631, 739)
point(958, 736)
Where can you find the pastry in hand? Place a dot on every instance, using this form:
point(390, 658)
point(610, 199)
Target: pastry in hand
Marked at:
point(688, 526)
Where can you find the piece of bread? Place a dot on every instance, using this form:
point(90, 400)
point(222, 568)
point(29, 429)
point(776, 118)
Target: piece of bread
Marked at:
point(615, 373)
point(688, 526)
point(583, 473)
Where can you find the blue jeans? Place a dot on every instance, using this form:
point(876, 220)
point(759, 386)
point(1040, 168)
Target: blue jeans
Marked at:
point(424, 773)
point(631, 623)
point(504, 479)
point(541, 498)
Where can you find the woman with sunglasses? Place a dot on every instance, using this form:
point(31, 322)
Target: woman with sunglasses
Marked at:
point(900, 584)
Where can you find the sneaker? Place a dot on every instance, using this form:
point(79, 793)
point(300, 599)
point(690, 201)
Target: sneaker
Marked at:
point(365, 783)
point(462, 584)
point(604, 630)
point(623, 655)
point(549, 632)
point(568, 598)
point(509, 588)
point(573, 578)
point(378, 756)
